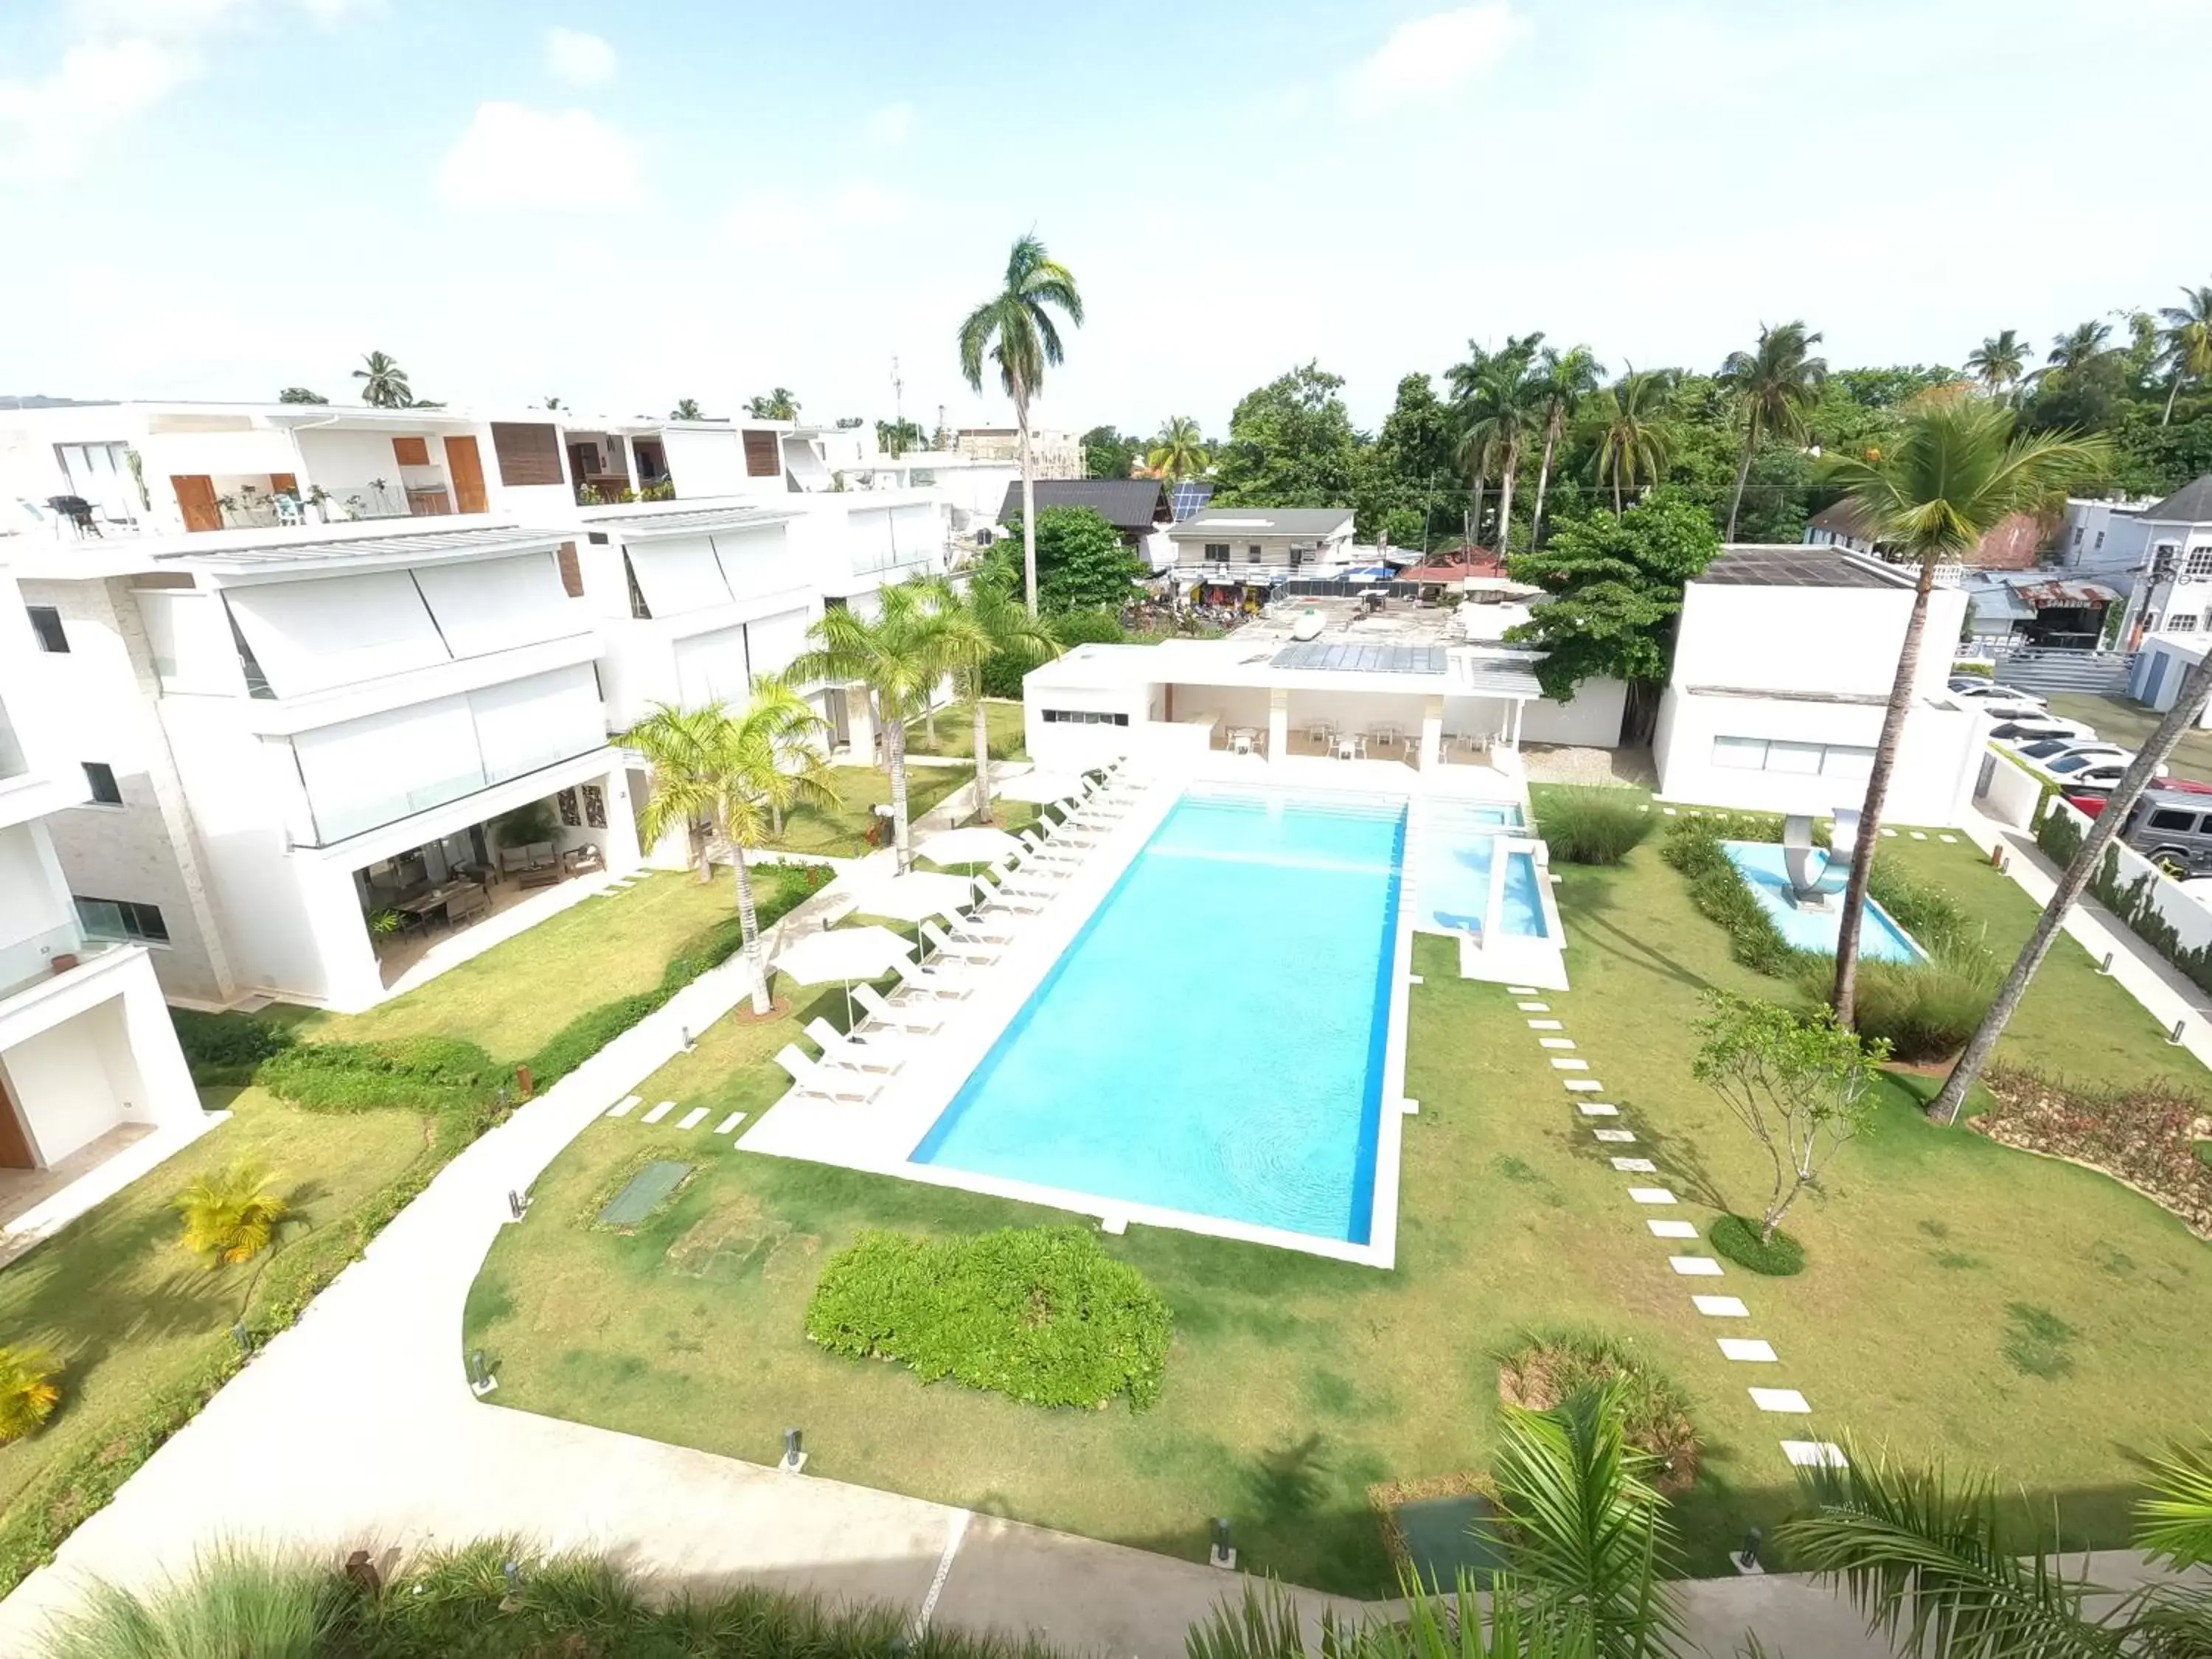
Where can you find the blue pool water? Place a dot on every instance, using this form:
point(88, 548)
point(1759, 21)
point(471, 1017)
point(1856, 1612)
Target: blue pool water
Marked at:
point(1456, 860)
point(1213, 1040)
point(1880, 936)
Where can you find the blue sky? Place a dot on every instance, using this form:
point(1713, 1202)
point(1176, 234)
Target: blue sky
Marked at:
point(624, 205)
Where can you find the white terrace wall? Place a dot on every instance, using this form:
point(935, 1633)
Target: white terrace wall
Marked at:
point(2155, 895)
point(2009, 792)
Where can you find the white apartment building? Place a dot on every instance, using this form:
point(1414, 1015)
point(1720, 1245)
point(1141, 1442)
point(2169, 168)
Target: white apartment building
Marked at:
point(1783, 660)
point(1248, 545)
point(2172, 544)
point(94, 1090)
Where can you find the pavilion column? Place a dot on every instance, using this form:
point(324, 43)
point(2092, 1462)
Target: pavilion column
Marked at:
point(1433, 733)
point(1520, 708)
point(1279, 722)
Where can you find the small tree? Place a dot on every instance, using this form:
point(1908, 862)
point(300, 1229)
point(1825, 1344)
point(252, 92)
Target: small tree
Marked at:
point(27, 1394)
point(1800, 1083)
point(1081, 562)
point(231, 1215)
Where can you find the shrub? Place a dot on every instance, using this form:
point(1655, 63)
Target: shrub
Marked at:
point(1925, 912)
point(1738, 1240)
point(27, 1391)
point(225, 1049)
point(589, 1032)
point(1718, 890)
point(253, 1606)
point(1040, 1314)
point(427, 1074)
point(2153, 1135)
point(1540, 1372)
point(1587, 825)
point(231, 1214)
point(1924, 1010)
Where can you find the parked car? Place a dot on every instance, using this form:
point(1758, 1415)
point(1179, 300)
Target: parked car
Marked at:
point(1995, 691)
point(2090, 765)
point(2172, 828)
point(2048, 749)
point(2035, 729)
point(2090, 799)
point(1967, 682)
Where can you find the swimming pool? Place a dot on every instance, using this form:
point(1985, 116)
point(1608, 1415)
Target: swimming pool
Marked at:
point(1762, 866)
point(1454, 890)
point(1213, 1041)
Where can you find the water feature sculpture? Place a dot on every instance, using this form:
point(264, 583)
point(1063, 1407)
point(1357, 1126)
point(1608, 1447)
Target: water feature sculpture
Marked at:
point(1817, 874)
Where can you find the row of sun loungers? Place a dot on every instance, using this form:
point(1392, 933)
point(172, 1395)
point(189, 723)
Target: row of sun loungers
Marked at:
point(856, 1067)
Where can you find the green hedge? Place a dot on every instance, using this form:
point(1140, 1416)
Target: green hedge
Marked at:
point(1586, 824)
point(2134, 902)
point(1718, 890)
point(1737, 1239)
point(1042, 1313)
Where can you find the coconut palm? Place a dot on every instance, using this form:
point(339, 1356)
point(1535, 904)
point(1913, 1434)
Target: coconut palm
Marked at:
point(1998, 362)
point(984, 623)
point(1931, 1563)
point(1502, 414)
point(737, 772)
point(776, 405)
point(383, 383)
point(899, 656)
point(27, 1393)
point(2079, 346)
point(1957, 470)
point(1014, 328)
point(2187, 333)
point(687, 408)
point(1562, 379)
point(1476, 459)
point(231, 1215)
point(1773, 386)
point(1632, 439)
point(1178, 449)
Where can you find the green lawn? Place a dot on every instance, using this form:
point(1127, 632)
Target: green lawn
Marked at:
point(956, 731)
point(1962, 1299)
point(841, 831)
point(129, 1312)
point(2118, 720)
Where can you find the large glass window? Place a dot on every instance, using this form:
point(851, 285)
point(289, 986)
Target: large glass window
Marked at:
point(1826, 760)
point(122, 919)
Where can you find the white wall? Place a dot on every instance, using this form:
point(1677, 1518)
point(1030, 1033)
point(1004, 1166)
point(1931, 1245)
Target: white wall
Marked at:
point(1591, 720)
point(1060, 745)
point(2190, 920)
point(2013, 794)
point(2167, 662)
point(710, 463)
point(1939, 759)
point(37, 921)
point(1810, 639)
point(72, 1081)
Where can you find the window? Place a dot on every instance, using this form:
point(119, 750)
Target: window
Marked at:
point(1804, 760)
point(528, 453)
point(1084, 717)
point(1740, 754)
point(2099, 542)
point(1252, 553)
point(2182, 622)
point(2199, 562)
point(763, 457)
point(100, 778)
point(2168, 818)
point(1217, 552)
point(2077, 535)
point(46, 623)
point(122, 919)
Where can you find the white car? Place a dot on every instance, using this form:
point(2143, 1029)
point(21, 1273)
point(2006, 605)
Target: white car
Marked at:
point(2051, 750)
point(2027, 734)
point(1994, 691)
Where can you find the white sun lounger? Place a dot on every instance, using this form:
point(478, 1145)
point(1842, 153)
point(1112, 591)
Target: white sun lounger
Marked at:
point(935, 982)
point(903, 1017)
point(851, 1053)
point(821, 1082)
point(963, 949)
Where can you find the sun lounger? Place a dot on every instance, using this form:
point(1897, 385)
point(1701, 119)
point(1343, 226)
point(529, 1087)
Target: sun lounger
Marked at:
point(935, 982)
point(902, 1017)
point(965, 950)
point(811, 1079)
point(851, 1054)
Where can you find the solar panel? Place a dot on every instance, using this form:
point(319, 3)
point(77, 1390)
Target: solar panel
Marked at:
point(1339, 657)
point(1188, 497)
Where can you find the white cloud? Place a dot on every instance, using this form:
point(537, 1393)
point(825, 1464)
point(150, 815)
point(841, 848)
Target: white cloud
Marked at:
point(48, 127)
point(580, 59)
point(788, 218)
point(1431, 56)
point(514, 156)
point(892, 124)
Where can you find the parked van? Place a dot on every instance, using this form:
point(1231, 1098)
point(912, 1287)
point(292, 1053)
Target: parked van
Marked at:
point(2172, 828)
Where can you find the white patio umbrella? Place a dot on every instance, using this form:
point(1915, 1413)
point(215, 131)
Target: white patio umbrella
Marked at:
point(1041, 787)
point(912, 896)
point(843, 955)
point(979, 844)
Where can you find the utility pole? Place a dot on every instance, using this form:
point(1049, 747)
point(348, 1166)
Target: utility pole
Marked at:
point(898, 409)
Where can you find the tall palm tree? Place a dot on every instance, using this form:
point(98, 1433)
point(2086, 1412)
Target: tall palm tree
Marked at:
point(1460, 379)
point(1502, 413)
point(2079, 346)
point(1562, 381)
point(776, 405)
point(2188, 336)
point(1633, 441)
point(687, 408)
point(1014, 328)
point(1773, 386)
point(984, 623)
point(1998, 362)
point(231, 1215)
point(383, 383)
point(899, 655)
point(1956, 472)
point(737, 772)
point(1178, 449)
point(1931, 1564)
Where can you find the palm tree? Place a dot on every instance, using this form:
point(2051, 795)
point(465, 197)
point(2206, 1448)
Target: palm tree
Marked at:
point(552, 403)
point(28, 1392)
point(383, 383)
point(1014, 328)
point(1998, 362)
point(2079, 346)
point(738, 772)
point(1179, 449)
point(1502, 413)
point(1932, 1564)
point(1633, 442)
point(975, 627)
point(1957, 472)
point(1562, 381)
point(2188, 336)
point(1476, 459)
point(687, 408)
point(777, 406)
point(899, 656)
point(1773, 386)
point(231, 1215)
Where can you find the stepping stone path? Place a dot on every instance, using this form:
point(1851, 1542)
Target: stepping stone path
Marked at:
point(1672, 1228)
point(659, 1112)
point(1546, 1024)
point(1747, 1348)
point(1635, 1166)
point(1949, 841)
point(1555, 1043)
point(623, 1106)
point(1888, 831)
point(1617, 1136)
point(1920, 834)
point(1695, 1267)
point(691, 1120)
point(1597, 1109)
point(1521, 990)
point(1815, 1454)
point(729, 1123)
point(1581, 1085)
point(1534, 1007)
point(1571, 1065)
point(1779, 1400)
point(1651, 1195)
point(1720, 1307)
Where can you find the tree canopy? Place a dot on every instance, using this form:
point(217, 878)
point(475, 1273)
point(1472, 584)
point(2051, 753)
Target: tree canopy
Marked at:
point(1108, 453)
point(1291, 444)
point(1082, 564)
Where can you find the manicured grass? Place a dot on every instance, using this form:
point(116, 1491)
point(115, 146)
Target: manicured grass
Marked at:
point(841, 832)
point(1959, 1298)
point(956, 731)
point(129, 1312)
point(2118, 720)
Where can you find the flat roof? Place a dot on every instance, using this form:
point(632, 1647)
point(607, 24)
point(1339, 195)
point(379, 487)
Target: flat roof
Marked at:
point(633, 521)
point(1437, 670)
point(1265, 520)
point(417, 547)
point(1795, 564)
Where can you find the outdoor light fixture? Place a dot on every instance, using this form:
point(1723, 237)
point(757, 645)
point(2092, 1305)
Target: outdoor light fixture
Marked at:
point(511, 1572)
point(794, 1459)
point(514, 1205)
point(2106, 966)
point(686, 1029)
point(243, 1337)
point(481, 1381)
point(2176, 1037)
point(1223, 1555)
point(1746, 1560)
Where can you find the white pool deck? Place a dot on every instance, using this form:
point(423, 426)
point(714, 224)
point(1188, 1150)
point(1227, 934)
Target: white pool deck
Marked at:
point(881, 1135)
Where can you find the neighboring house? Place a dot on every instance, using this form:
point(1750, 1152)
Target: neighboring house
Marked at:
point(2041, 609)
point(2103, 536)
point(2155, 676)
point(1054, 454)
point(2014, 545)
point(1783, 660)
point(94, 1089)
point(1138, 509)
point(2173, 586)
point(1259, 546)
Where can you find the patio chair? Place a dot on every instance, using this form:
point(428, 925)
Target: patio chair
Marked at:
point(964, 950)
point(819, 1082)
point(466, 904)
point(934, 982)
point(902, 1017)
point(1040, 848)
point(851, 1052)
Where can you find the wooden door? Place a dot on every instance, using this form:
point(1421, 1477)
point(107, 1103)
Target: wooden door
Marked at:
point(465, 467)
point(16, 1149)
point(283, 483)
point(196, 499)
